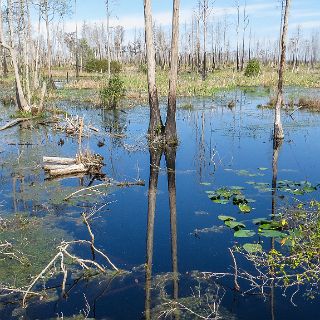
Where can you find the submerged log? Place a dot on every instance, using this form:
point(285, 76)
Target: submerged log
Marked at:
point(58, 160)
point(68, 170)
point(48, 167)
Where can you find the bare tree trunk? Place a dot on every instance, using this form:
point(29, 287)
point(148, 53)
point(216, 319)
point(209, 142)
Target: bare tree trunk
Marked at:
point(21, 101)
point(171, 128)
point(4, 63)
point(278, 130)
point(36, 71)
point(25, 45)
point(237, 31)
point(76, 43)
point(108, 38)
point(48, 38)
point(245, 26)
point(155, 123)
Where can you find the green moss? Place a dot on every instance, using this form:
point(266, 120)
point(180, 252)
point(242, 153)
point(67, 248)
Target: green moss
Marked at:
point(34, 243)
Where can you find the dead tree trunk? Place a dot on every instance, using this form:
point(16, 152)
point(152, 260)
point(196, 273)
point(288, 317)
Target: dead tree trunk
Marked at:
point(171, 128)
point(21, 101)
point(278, 130)
point(4, 63)
point(237, 31)
point(155, 123)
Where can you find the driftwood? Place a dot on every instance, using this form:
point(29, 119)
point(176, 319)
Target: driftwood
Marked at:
point(58, 160)
point(72, 169)
point(14, 123)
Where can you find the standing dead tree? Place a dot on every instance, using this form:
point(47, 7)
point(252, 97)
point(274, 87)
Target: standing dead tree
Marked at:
point(278, 130)
point(245, 26)
point(205, 11)
point(155, 123)
point(20, 97)
point(171, 128)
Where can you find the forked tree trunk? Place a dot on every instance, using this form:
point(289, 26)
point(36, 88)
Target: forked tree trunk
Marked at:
point(278, 130)
point(21, 101)
point(155, 123)
point(171, 128)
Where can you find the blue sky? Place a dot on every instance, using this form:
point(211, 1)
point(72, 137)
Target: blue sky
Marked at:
point(264, 15)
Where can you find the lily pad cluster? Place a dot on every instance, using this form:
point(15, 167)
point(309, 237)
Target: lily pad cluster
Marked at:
point(288, 186)
point(233, 194)
point(266, 228)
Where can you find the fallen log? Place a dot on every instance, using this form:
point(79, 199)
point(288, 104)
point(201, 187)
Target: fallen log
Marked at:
point(58, 160)
point(67, 176)
point(14, 123)
point(48, 167)
point(72, 169)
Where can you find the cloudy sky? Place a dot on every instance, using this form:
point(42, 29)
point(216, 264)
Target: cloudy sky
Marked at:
point(264, 14)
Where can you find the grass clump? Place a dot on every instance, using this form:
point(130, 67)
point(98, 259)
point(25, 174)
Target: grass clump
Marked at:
point(309, 103)
point(112, 94)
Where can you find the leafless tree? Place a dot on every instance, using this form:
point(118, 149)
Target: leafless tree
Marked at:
point(20, 97)
point(170, 127)
point(278, 130)
point(155, 123)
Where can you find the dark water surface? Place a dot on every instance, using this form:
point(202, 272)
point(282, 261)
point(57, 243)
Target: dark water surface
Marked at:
point(215, 142)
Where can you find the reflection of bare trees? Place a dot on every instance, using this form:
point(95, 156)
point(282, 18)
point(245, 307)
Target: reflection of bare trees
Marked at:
point(155, 157)
point(276, 148)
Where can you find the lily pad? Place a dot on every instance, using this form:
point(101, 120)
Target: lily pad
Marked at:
point(220, 201)
point(252, 247)
point(244, 208)
point(272, 234)
point(244, 233)
point(260, 221)
point(234, 224)
point(226, 218)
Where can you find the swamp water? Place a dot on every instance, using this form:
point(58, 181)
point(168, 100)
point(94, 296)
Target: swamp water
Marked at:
point(220, 149)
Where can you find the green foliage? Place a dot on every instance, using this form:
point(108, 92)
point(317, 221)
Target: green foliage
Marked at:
point(86, 51)
point(113, 92)
point(101, 65)
point(253, 68)
point(225, 195)
point(143, 68)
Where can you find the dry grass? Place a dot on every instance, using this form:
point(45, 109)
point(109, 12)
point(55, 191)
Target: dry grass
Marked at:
point(310, 103)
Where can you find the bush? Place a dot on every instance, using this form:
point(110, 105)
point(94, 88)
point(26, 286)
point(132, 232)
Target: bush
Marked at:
point(113, 92)
point(143, 68)
point(97, 65)
point(253, 68)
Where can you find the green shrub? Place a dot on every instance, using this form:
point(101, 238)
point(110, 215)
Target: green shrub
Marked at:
point(143, 68)
point(97, 65)
point(253, 68)
point(113, 92)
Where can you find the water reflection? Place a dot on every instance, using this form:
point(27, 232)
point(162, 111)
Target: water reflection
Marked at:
point(155, 158)
point(275, 158)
